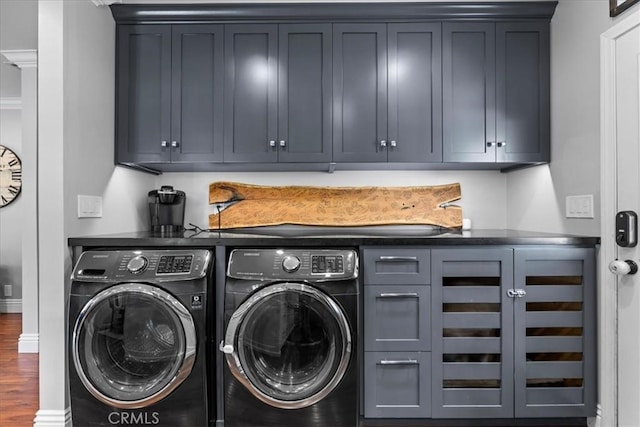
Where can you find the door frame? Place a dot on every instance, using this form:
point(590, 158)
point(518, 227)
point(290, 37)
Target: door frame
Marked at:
point(607, 411)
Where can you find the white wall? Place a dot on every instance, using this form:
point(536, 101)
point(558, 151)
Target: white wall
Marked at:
point(536, 196)
point(89, 74)
point(11, 216)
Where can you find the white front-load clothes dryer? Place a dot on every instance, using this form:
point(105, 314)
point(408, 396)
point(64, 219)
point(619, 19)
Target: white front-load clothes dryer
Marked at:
point(137, 338)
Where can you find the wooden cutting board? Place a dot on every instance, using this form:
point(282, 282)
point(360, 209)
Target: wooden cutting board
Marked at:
point(246, 205)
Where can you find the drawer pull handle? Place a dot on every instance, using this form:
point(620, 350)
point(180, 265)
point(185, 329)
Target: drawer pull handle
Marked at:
point(398, 258)
point(399, 295)
point(399, 362)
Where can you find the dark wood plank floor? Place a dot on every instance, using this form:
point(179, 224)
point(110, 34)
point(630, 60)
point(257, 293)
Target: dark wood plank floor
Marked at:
point(18, 376)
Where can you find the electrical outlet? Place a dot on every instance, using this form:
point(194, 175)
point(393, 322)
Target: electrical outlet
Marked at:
point(579, 206)
point(8, 290)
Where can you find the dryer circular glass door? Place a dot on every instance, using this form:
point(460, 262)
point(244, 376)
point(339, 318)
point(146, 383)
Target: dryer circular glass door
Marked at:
point(289, 344)
point(133, 344)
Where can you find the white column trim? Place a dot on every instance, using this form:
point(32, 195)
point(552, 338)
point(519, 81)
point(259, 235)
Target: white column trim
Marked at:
point(11, 103)
point(29, 343)
point(25, 58)
point(53, 418)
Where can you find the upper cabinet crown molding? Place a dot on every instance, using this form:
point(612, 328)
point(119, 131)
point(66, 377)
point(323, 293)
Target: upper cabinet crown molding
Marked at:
point(466, 11)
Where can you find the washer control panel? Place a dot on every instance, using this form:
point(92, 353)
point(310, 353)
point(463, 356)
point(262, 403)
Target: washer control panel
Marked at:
point(299, 264)
point(138, 265)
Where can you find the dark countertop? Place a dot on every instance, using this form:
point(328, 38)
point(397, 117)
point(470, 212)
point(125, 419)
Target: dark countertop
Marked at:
point(333, 236)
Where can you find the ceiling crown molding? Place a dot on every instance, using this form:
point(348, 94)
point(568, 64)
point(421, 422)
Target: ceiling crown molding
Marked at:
point(105, 2)
point(27, 58)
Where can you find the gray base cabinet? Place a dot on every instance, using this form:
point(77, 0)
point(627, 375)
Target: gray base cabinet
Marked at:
point(513, 333)
point(509, 332)
point(397, 332)
point(397, 384)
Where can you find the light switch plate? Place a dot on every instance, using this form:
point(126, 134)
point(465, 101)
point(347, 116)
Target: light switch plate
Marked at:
point(579, 206)
point(89, 206)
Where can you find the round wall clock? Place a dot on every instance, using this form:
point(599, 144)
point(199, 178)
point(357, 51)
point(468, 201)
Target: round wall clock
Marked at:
point(10, 176)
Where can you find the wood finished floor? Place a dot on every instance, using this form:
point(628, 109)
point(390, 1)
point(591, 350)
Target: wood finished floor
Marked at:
point(18, 376)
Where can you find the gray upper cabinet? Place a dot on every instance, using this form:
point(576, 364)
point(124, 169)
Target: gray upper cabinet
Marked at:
point(522, 92)
point(143, 124)
point(359, 92)
point(169, 91)
point(496, 92)
point(348, 85)
point(387, 97)
point(250, 105)
point(304, 93)
point(278, 97)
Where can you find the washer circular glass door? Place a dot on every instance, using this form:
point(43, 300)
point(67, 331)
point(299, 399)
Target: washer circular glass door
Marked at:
point(133, 344)
point(289, 344)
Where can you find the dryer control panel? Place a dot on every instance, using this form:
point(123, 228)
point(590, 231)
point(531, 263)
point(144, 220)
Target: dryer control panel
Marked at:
point(142, 265)
point(289, 264)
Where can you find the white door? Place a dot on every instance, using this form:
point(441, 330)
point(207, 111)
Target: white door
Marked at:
point(620, 302)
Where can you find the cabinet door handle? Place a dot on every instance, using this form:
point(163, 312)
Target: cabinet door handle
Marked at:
point(394, 144)
point(283, 143)
point(399, 362)
point(163, 144)
point(501, 144)
point(272, 144)
point(398, 295)
point(383, 143)
point(490, 144)
point(398, 258)
point(175, 144)
point(516, 293)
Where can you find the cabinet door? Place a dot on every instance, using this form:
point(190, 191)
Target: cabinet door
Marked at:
point(397, 385)
point(304, 93)
point(197, 82)
point(144, 94)
point(523, 110)
point(468, 90)
point(555, 349)
point(250, 98)
point(472, 338)
point(397, 317)
point(359, 92)
point(415, 92)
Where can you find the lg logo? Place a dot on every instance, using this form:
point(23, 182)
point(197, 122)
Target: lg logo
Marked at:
point(134, 418)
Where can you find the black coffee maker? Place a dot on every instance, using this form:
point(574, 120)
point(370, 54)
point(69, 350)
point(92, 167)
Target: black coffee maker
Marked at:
point(166, 209)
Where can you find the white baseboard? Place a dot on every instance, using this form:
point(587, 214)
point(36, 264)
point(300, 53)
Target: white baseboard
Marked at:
point(28, 343)
point(53, 418)
point(10, 306)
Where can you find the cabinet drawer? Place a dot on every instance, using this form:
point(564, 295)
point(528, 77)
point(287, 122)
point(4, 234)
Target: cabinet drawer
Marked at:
point(397, 318)
point(403, 266)
point(397, 385)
